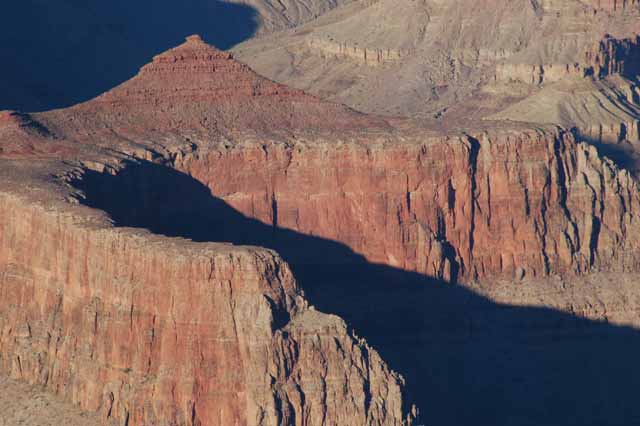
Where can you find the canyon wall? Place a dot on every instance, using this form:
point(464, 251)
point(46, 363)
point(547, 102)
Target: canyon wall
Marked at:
point(365, 55)
point(156, 331)
point(611, 133)
point(502, 204)
point(606, 57)
point(148, 329)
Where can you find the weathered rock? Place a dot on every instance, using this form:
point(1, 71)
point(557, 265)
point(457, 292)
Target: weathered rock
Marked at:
point(609, 56)
point(503, 201)
point(152, 330)
point(448, 60)
point(156, 331)
point(149, 330)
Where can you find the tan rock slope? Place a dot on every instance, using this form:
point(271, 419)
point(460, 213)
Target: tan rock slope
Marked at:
point(450, 60)
point(280, 14)
point(257, 200)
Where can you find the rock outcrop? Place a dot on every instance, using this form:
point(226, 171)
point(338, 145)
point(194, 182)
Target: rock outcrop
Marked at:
point(364, 55)
point(468, 207)
point(178, 88)
point(149, 329)
point(458, 58)
point(607, 57)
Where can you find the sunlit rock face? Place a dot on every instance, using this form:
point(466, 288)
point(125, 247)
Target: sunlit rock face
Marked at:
point(162, 245)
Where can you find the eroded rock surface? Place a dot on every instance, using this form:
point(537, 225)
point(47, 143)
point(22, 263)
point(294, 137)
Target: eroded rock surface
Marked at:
point(453, 208)
point(23, 404)
point(151, 330)
point(287, 198)
point(449, 61)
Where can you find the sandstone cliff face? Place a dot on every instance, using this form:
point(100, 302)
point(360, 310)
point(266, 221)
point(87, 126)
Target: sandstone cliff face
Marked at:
point(149, 330)
point(152, 330)
point(496, 205)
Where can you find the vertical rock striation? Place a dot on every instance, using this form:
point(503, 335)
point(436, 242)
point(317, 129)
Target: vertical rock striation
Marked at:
point(493, 205)
point(152, 331)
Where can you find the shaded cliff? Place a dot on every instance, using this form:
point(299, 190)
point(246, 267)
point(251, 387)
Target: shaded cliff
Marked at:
point(497, 204)
point(493, 354)
point(149, 330)
point(377, 220)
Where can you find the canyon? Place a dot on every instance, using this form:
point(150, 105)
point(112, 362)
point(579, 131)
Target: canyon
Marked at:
point(177, 251)
point(425, 214)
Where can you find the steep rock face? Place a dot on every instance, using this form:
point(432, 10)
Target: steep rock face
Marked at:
point(151, 330)
point(148, 330)
point(606, 57)
point(613, 56)
point(496, 205)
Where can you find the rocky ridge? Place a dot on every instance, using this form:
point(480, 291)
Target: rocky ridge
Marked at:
point(110, 321)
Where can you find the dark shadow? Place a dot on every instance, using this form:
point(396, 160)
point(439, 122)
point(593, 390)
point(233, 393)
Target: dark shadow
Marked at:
point(58, 53)
point(467, 360)
point(624, 154)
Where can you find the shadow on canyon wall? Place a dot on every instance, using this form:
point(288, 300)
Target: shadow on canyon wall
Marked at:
point(624, 154)
point(467, 360)
point(59, 53)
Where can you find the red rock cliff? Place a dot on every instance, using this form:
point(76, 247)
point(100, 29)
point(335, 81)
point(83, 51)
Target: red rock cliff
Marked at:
point(505, 203)
point(150, 330)
point(155, 330)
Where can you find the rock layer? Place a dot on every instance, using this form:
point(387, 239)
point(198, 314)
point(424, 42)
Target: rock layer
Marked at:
point(153, 330)
point(609, 56)
point(473, 207)
point(149, 330)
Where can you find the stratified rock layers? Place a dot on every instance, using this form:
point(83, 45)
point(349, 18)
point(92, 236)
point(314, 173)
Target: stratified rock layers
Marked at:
point(499, 204)
point(152, 331)
point(157, 331)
